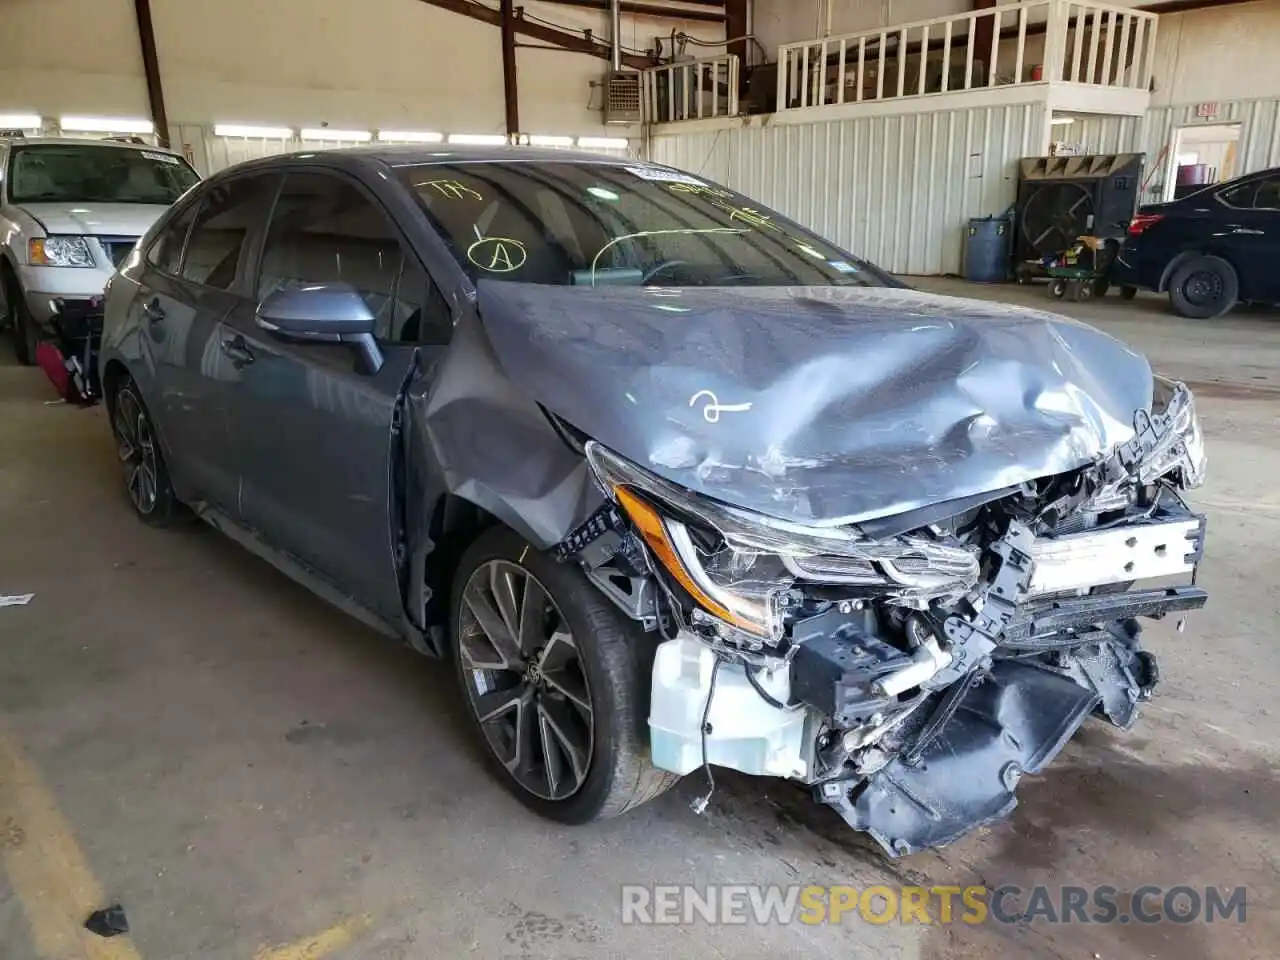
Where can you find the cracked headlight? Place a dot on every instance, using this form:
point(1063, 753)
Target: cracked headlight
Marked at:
point(1181, 446)
point(736, 565)
point(59, 252)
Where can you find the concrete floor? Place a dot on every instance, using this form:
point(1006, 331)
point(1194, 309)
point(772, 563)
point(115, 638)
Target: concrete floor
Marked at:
point(243, 768)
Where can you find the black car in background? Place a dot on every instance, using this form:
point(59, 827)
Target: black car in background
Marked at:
point(1208, 250)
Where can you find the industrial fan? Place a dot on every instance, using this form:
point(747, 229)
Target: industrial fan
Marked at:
point(1062, 198)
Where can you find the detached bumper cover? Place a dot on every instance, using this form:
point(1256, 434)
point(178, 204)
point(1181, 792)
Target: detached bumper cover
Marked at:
point(1013, 722)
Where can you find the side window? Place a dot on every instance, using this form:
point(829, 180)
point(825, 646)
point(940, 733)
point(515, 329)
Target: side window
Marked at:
point(420, 313)
point(1240, 197)
point(324, 230)
point(1268, 197)
point(166, 252)
point(228, 213)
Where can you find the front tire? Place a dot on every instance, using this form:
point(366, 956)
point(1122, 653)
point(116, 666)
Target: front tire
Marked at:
point(556, 682)
point(1204, 288)
point(146, 477)
point(23, 327)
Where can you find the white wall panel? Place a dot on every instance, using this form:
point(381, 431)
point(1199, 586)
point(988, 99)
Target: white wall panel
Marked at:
point(896, 190)
point(362, 64)
point(77, 57)
point(1099, 133)
point(1232, 53)
point(1259, 147)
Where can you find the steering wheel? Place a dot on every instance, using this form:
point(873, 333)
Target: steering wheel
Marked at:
point(664, 265)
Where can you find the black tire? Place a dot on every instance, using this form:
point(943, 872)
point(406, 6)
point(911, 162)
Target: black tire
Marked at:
point(1101, 286)
point(23, 328)
point(1078, 291)
point(1128, 292)
point(1057, 288)
point(146, 476)
point(1203, 288)
point(614, 659)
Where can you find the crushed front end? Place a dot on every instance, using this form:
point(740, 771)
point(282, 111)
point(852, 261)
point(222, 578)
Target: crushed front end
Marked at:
point(907, 669)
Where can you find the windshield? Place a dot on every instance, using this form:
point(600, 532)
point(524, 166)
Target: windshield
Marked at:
point(593, 224)
point(89, 173)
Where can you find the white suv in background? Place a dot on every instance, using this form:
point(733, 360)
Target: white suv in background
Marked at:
point(70, 212)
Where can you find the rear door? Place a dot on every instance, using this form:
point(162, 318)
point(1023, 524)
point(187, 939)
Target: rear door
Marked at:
point(194, 277)
point(1260, 276)
point(313, 431)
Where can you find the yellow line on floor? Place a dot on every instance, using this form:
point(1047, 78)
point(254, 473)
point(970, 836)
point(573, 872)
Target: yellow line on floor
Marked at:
point(322, 944)
point(46, 867)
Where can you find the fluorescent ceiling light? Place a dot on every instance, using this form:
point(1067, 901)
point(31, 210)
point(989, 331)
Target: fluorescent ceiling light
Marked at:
point(1062, 121)
point(324, 133)
point(538, 140)
point(478, 139)
point(603, 143)
point(20, 121)
point(106, 125)
point(411, 136)
point(249, 130)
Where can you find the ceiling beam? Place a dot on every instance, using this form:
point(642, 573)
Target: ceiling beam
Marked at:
point(510, 92)
point(736, 26)
point(151, 70)
point(1181, 6)
point(648, 10)
point(564, 39)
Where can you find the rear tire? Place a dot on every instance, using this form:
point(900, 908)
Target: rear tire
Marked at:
point(1128, 292)
point(146, 477)
point(590, 760)
point(1203, 288)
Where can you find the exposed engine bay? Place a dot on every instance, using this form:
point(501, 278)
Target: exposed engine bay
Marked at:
point(910, 668)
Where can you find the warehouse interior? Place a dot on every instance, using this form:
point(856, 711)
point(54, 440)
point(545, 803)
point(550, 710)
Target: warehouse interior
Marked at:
point(249, 771)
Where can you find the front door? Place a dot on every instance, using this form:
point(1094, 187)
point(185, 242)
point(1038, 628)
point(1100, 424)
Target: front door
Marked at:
point(1260, 246)
point(312, 428)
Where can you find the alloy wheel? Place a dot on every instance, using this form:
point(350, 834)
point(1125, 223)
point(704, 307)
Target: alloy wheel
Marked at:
point(525, 678)
point(135, 445)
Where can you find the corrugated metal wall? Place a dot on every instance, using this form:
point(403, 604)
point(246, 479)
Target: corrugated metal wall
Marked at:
point(1259, 147)
point(898, 191)
point(1104, 134)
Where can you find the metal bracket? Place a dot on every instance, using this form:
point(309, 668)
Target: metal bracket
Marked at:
point(997, 604)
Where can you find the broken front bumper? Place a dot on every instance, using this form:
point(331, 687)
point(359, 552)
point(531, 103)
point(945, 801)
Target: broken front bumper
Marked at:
point(1012, 690)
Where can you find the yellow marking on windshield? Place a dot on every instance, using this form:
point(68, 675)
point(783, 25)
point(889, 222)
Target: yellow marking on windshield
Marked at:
point(498, 254)
point(452, 189)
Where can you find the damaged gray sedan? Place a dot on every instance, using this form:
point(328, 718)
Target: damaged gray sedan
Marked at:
point(672, 481)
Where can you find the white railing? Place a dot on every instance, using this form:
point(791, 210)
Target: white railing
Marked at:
point(1015, 43)
point(691, 90)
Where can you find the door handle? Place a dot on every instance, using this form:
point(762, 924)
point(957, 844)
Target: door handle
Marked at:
point(153, 311)
point(237, 349)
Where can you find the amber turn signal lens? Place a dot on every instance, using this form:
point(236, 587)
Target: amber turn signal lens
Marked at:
point(654, 532)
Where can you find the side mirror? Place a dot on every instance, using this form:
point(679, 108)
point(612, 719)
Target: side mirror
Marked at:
point(322, 313)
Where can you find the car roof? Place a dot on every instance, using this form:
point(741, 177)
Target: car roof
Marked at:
point(390, 155)
point(82, 142)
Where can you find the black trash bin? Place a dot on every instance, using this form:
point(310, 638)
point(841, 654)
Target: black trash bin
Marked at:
point(986, 250)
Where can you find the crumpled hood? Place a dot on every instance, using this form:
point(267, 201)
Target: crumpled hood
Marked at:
point(96, 219)
point(825, 404)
